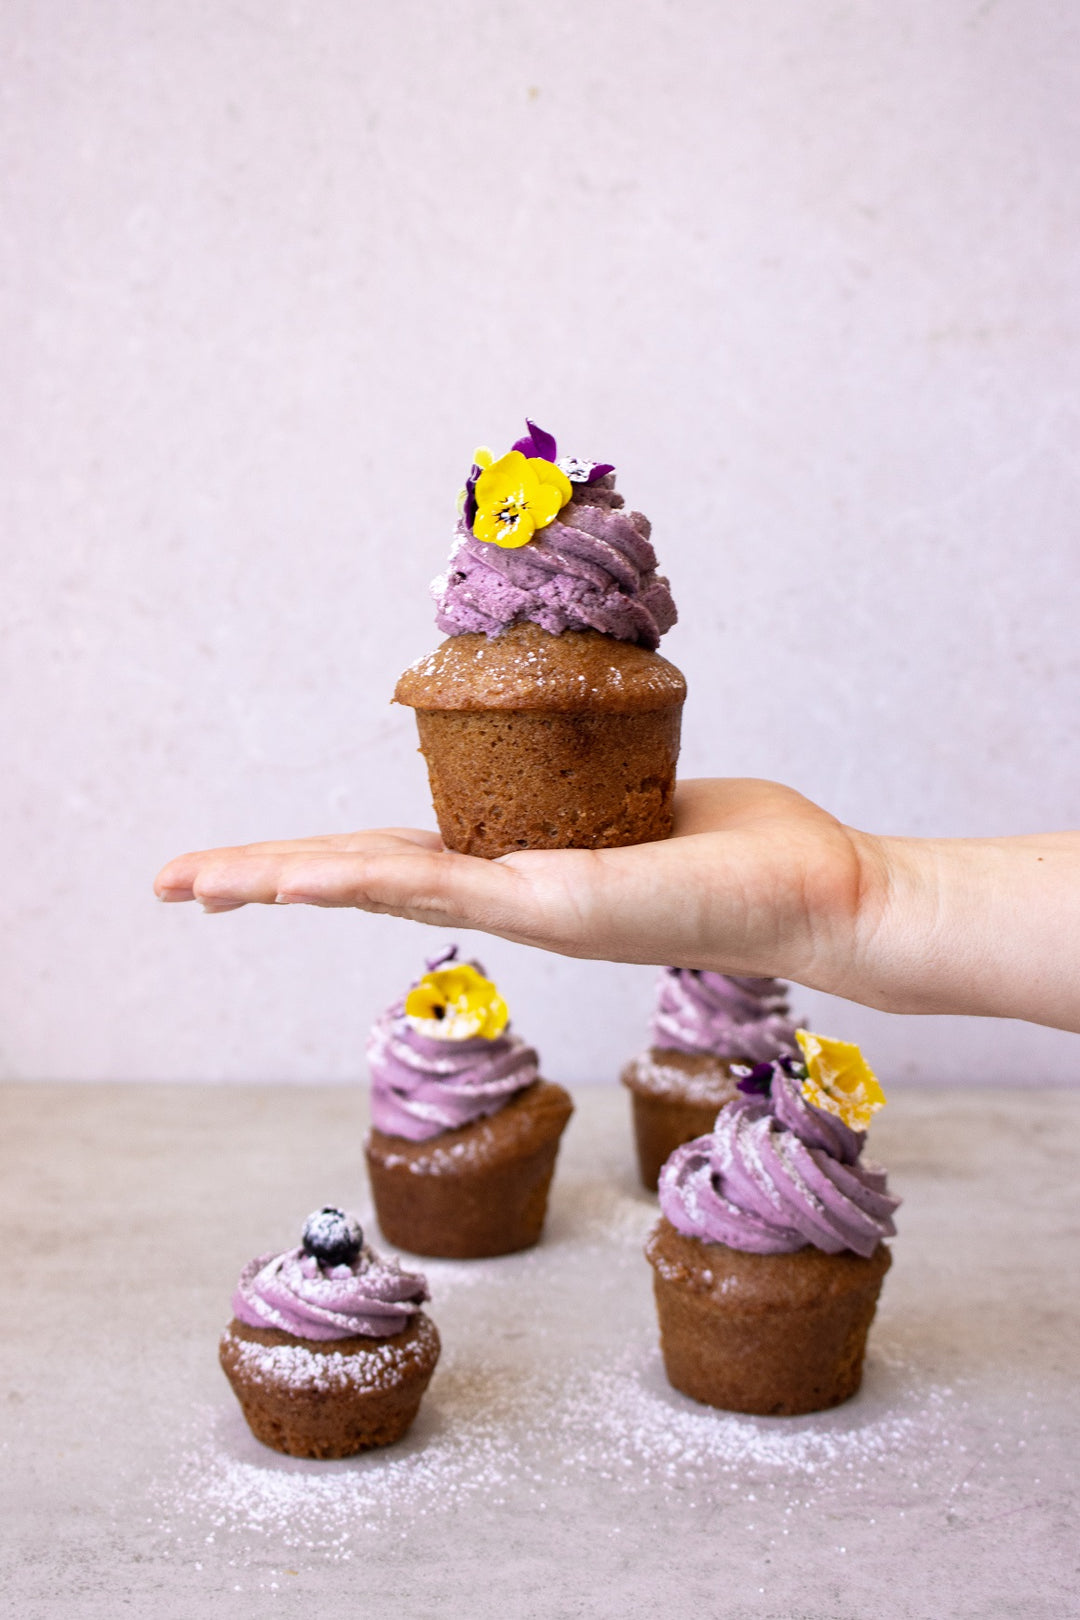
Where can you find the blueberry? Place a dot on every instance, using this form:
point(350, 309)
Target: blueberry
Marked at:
point(332, 1237)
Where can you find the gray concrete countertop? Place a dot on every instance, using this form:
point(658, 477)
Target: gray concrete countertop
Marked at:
point(551, 1472)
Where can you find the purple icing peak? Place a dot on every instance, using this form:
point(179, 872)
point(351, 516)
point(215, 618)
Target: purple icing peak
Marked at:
point(298, 1294)
point(593, 568)
point(728, 1017)
point(775, 1175)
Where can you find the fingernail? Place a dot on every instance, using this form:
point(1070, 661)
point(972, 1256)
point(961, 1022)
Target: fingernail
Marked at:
point(210, 906)
point(282, 900)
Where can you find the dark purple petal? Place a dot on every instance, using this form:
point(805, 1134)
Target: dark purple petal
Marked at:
point(758, 1082)
point(468, 511)
point(546, 448)
point(536, 443)
point(600, 470)
point(440, 959)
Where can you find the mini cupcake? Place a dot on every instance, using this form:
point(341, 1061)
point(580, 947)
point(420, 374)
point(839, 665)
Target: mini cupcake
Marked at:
point(705, 1024)
point(464, 1132)
point(328, 1351)
point(768, 1258)
point(547, 718)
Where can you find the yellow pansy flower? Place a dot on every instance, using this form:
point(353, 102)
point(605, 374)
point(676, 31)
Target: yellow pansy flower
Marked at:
point(839, 1079)
point(455, 1004)
point(517, 495)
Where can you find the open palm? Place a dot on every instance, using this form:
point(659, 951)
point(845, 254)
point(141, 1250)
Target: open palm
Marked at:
point(755, 879)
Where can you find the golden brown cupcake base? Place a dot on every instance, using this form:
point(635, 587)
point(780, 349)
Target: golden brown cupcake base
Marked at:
point(474, 1192)
point(773, 1334)
point(676, 1097)
point(535, 741)
point(328, 1397)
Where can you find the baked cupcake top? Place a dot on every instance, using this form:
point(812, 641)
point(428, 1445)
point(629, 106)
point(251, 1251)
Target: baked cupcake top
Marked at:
point(722, 1015)
point(443, 1055)
point(545, 539)
point(783, 1167)
point(332, 1287)
point(509, 672)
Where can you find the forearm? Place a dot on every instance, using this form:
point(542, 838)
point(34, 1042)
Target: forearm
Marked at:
point(988, 927)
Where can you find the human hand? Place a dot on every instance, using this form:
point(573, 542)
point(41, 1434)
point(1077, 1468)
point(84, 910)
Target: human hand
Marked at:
point(755, 880)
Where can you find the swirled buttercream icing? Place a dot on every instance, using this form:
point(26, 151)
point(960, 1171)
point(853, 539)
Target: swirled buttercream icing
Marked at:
point(729, 1017)
point(299, 1295)
point(424, 1083)
point(593, 568)
point(777, 1174)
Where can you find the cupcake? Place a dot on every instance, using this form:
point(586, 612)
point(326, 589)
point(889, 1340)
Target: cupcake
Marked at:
point(328, 1351)
point(547, 718)
point(704, 1024)
point(464, 1132)
point(768, 1258)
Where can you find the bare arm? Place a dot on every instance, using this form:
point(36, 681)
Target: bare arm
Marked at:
point(755, 880)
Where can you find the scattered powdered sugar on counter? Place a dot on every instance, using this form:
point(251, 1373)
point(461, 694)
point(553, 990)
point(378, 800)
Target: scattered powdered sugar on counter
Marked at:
point(465, 1445)
point(551, 1390)
point(643, 1434)
point(493, 1432)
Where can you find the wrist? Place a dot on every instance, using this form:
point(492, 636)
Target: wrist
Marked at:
point(882, 959)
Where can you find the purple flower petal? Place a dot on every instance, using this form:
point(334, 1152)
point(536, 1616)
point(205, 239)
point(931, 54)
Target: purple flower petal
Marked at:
point(536, 443)
point(756, 1081)
point(584, 472)
point(469, 509)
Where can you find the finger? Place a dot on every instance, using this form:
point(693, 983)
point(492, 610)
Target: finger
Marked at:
point(178, 878)
point(424, 885)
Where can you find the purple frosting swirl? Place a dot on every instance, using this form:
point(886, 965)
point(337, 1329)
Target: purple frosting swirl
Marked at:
point(775, 1175)
point(593, 568)
point(293, 1292)
point(421, 1086)
point(698, 1011)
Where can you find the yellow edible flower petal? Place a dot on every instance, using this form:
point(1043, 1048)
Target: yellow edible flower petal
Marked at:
point(548, 473)
point(516, 496)
point(456, 1004)
point(511, 526)
point(839, 1079)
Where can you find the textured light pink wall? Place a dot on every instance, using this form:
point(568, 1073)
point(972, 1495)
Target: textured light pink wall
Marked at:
point(805, 271)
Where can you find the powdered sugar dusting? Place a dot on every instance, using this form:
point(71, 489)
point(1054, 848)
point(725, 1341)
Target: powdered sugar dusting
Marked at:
point(655, 1078)
point(469, 1441)
point(551, 1390)
point(489, 1430)
point(296, 1367)
point(650, 1435)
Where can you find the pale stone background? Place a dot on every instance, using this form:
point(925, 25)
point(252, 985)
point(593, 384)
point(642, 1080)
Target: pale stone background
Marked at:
point(806, 271)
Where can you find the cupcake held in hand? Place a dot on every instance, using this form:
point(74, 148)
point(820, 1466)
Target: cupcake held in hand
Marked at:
point(547, 718)
point(464, 1131)
point(329, 1352)
point(768, 1258)
point(704, 1026)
